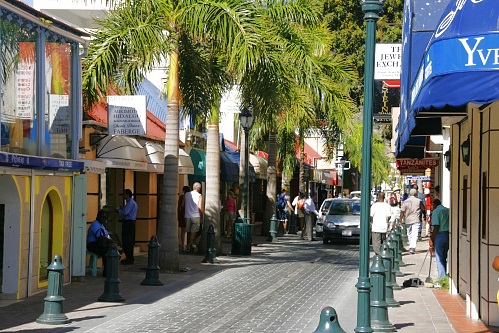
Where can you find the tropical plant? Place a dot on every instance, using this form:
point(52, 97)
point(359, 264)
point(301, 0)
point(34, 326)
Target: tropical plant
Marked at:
point(137, 36)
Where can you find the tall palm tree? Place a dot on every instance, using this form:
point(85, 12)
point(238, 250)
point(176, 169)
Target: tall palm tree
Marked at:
point(138, 34)
point(135, 37)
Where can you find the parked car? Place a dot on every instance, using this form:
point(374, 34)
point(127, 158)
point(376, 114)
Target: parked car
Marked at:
point(320, 219)
point(341, 220)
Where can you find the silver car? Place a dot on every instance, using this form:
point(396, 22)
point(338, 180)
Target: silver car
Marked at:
point(341, 220)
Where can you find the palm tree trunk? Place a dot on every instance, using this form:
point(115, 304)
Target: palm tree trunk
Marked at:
point(271, 184)
point(212, 200)
point(168, 225)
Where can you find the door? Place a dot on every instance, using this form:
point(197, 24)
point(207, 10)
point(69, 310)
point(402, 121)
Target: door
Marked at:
point(79, 226)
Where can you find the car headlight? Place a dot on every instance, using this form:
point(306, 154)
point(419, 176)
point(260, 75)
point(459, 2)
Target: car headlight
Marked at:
point(329, 225)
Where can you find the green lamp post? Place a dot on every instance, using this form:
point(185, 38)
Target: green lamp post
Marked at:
point(246, 118)
point(371, 9)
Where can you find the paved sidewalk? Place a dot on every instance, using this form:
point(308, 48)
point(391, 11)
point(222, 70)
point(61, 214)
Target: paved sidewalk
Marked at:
point(270, 273)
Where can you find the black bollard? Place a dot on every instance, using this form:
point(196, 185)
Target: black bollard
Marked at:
point(152, 272)
point(52, 311)
point(211, 251)
point(379, 308)
point(386, 256)
point(329, 322)
point(398, 239)
point(273, 229)
point(112, 282)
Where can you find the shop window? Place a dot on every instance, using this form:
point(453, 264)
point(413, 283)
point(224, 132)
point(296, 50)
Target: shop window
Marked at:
point(58, 117)
point(17, 86)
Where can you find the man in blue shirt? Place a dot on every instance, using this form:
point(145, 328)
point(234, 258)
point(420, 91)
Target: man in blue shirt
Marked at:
point(129, 214)
point(439, 237)
point(96, 230)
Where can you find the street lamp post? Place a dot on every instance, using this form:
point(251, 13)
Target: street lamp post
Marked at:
point(246, 118)
point(371, 9)
point(342, 163)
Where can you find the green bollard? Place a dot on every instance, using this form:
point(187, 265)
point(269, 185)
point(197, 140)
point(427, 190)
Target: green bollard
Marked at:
point(329, 322)
point(392, 263)
point(405, 240)
point(398, 239)
point(211, 251)
point(52, 311)
point(387, 257)
point(379, 307)
point(112, 282)
point(393, 249)
point(152, 272)
point(273, 229)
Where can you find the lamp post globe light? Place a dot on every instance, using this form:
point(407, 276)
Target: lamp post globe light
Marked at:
point(371, 9)
point(247, 119)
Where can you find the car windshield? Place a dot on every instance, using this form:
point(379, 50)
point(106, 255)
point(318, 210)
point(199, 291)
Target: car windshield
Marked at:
point(326, 205)
point(349, 207)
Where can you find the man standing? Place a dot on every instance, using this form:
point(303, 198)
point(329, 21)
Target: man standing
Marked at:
point(380, 216)
point(412, 209)
point(129, 214)
point(193, 213)
point(439, 237)
point(310, 209)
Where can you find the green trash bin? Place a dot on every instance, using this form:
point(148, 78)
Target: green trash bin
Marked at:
point(241, 238)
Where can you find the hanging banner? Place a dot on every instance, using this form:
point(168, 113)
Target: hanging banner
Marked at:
point(127, 115)
point(25, 77)
point(388, 61)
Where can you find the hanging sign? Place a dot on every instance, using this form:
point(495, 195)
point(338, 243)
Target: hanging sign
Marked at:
point(127, 115)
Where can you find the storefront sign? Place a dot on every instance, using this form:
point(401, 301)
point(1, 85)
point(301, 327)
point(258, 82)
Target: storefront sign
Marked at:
point(417, 163)
point(127, 115)
point(423, 178)
point(388, 61)
point(59, 115)
point(385, 99)
point(34, 162)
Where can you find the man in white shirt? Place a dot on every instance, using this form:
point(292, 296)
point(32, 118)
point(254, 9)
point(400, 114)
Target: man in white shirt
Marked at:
point(310, 210)
point(193, 214)
point(380, 216)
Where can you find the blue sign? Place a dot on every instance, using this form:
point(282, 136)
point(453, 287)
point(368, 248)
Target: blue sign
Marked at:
point(42, 163)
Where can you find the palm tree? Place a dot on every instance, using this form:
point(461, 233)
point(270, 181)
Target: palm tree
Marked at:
point(138, 34)
point(135, 37)
point(301, 86)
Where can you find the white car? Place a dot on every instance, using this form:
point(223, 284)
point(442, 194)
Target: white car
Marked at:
point(320, 220)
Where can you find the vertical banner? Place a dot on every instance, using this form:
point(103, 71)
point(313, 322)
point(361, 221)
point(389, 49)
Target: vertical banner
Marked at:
point(25, 81)
point(126, 115)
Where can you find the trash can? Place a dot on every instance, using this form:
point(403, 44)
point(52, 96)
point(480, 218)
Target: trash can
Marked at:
point(241, 238)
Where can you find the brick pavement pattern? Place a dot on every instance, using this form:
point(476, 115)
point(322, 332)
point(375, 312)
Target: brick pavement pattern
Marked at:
point(281, 287)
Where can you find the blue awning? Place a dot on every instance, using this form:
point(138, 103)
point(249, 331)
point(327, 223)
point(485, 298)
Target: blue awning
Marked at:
point(229, 165)
point(460, 65)
point(421, 17)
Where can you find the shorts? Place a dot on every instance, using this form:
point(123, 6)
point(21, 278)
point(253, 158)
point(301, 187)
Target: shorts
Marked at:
point(192, 224)
point(281, 215)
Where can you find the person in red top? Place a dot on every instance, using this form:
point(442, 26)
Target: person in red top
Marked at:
point(230, 213)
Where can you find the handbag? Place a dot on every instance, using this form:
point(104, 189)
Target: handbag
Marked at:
point(102, 241)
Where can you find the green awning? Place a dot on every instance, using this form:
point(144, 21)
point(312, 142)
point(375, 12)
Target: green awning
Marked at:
point(198, 158)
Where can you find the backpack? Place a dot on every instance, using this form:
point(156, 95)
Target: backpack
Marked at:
point(281, 202)
point(300, 204)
